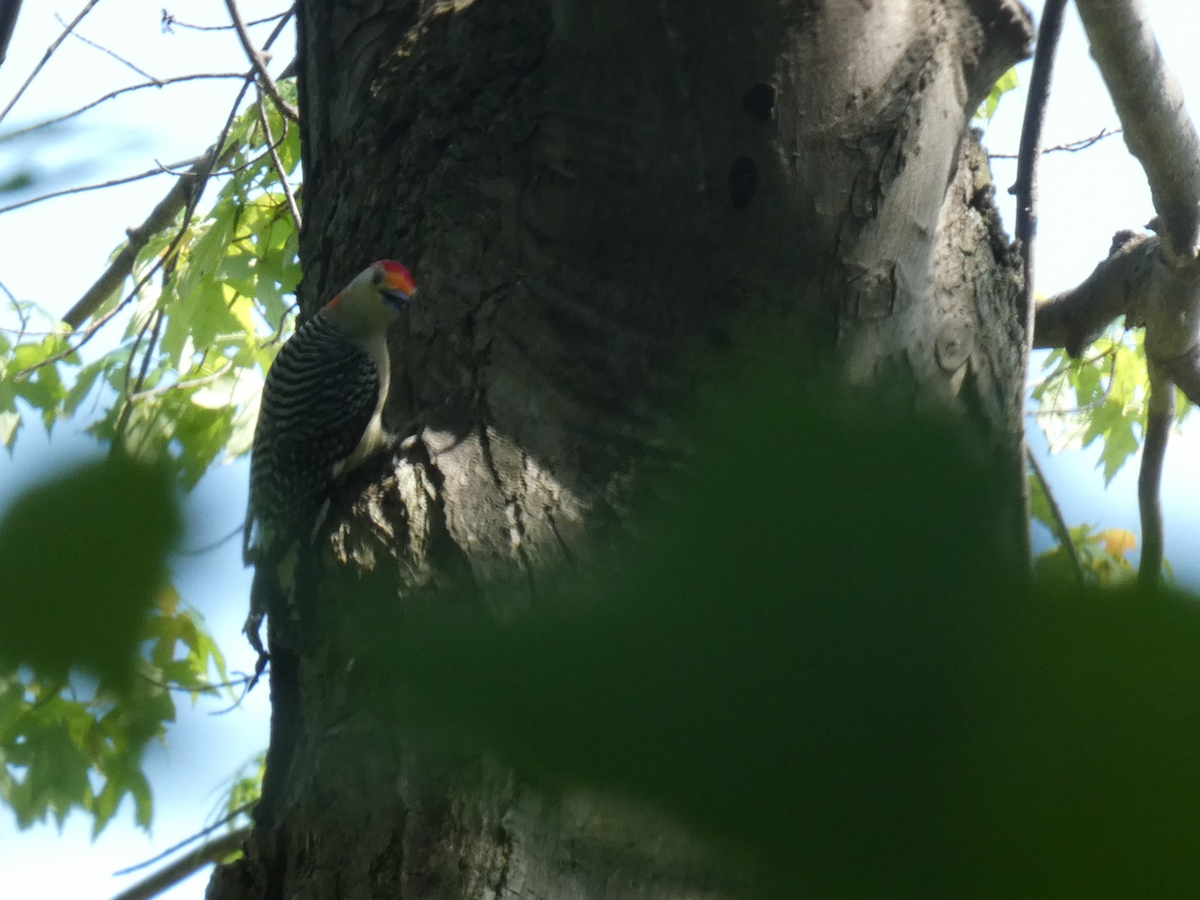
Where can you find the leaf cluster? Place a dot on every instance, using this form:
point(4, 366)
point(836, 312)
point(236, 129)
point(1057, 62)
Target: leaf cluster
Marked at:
point(76, 742)
point(206, 316)
point(1100, 396)
point(94, 639)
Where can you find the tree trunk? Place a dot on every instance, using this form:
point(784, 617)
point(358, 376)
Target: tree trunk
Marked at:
point(602, 202)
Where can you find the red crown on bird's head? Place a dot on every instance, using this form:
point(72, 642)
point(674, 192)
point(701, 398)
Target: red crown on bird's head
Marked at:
point(397, 276)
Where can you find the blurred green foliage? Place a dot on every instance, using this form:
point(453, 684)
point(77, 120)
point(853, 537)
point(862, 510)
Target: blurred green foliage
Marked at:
point(84, 557)
point(816, 655)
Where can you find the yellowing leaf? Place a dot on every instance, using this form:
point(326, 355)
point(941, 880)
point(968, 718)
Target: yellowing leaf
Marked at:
point(1118, 541)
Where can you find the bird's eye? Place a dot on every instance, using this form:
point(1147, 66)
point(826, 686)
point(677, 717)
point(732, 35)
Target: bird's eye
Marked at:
point(376, 276)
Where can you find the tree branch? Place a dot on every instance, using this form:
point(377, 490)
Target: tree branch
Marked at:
point(160, 217)
point(184, 194)
point(117, 56)
point(1059, 526)
point(1149, 102)
point(260, 66)
point(164, 878)
point(117, 93)
point(1030, 151)
point(46, 56)
point(277, 162)
point(1069, 147)
point(1075, 318)
point(169, 21)
point(195, 837)
point(1159, 416)
point(1026, 190)
point(82, 189)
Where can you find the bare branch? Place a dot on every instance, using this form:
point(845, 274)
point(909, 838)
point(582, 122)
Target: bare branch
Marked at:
point(1159, 416)
point(46, 57)
point(277, 162)
point(213, 851)
point(117, 93)
point(209, 548)
point(185, 193)
point(84, 188)
point(118, 57)
point(1069, 147)
point(260, 65)
point(1026, 191)
point(1031, 145)
point(1149, 102)
point(1059, 526)
point(122, 265)
point(169, 22)
point(195, 837)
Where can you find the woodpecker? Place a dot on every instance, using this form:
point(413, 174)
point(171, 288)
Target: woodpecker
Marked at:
point(320, 417)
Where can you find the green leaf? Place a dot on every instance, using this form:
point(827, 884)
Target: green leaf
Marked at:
point(1007, 82)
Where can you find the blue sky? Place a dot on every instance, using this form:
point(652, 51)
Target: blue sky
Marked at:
point(52, 252)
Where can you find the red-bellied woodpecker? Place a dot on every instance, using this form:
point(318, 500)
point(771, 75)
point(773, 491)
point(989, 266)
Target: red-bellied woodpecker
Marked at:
point(320, 417)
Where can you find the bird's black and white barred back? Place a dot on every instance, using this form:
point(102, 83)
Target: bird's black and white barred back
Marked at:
point(317, 403)
point(321, 416)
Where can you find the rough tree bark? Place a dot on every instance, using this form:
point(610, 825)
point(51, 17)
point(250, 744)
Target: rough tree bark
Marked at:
point(599, 199)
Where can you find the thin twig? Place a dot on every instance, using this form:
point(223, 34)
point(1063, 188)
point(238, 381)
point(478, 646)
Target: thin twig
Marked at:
point(283, 179)
point(211, 852)
point(88, 335)
point(122, 264)
point(195, 837)
point(1059, 524)
point(211, 688)
point(260, 65)
point(209, 548)
point(46, 57)
point(22, 311)
point(122, 60)
point(184, 195)
point(165, 211)
point(169, 21)
point(81, 189)
point(125, 90)
point(160, 217)
point(1069, 147)
point(182, 385)
point(156, 319)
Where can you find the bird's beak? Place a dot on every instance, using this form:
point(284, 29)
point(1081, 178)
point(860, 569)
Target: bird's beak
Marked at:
point(397, 297)
point(398, 289)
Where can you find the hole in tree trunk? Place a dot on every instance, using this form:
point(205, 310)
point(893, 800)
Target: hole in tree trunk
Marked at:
point(759, 101)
